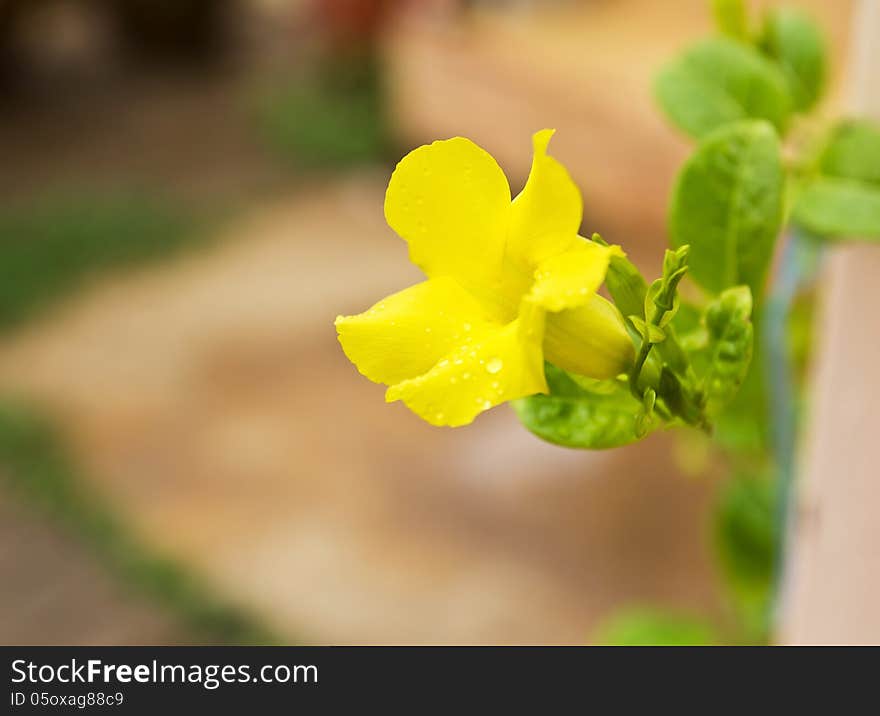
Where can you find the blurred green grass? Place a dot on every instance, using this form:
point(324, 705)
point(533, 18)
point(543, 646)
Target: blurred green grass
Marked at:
point(332, 119)
point(36, 467)
point(50, 245)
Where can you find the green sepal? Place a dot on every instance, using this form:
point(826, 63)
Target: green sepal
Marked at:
point(624, 282)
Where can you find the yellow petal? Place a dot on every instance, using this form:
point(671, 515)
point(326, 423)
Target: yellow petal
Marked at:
point(404, 335)
point(547, 214)
point(568, 279)
point(451, 202)
point(499, 365)
point(589, 340)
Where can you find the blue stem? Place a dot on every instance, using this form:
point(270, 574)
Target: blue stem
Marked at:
point(798, 266)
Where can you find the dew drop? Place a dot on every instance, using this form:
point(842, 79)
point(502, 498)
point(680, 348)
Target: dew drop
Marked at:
point(466, 376)
point(467, 326)
point(495, 365)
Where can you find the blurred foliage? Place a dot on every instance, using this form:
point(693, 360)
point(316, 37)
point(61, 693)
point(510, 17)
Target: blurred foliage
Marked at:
point(333, 119)
point(646, 626)
point(852, 151)
point(731, 18)
point(582, 413)
point(727, 205)
point(736, 94)
point(744, 536)
point(50, 246)
point(719, 81)
point(35, 465)
point(796, 44)
point(839, 207)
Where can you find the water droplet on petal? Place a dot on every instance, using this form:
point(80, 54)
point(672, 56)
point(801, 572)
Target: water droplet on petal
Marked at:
point(495, 365)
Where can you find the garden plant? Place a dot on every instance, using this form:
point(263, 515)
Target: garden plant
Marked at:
point(510, 310)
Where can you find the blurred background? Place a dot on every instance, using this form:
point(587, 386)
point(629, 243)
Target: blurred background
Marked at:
point(190, 192)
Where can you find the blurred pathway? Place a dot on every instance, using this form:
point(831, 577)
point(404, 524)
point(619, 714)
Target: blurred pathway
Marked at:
point(55, 593)
point(209, 401)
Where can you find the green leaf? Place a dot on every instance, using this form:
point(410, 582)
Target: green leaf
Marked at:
point(793, 40)
point(730, 345)
point(744, 531)
point(844, 199)
point(743, 427)
point(731, 18)
point(728, 206)
point(853, 152)
point(646, 626)
point(688, 324)
point(834, 207)
point(583, 413)
point(720, 81)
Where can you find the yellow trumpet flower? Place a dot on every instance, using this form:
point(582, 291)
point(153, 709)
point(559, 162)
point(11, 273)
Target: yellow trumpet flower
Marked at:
point(509, 283)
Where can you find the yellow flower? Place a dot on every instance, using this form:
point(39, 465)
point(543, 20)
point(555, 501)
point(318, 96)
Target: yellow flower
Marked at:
point(509, 283)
